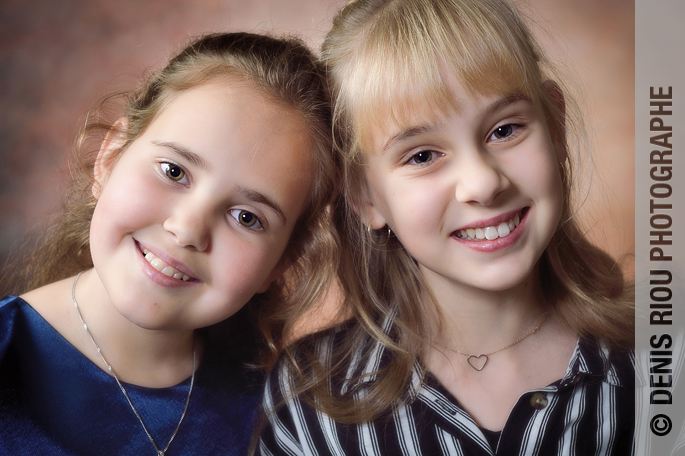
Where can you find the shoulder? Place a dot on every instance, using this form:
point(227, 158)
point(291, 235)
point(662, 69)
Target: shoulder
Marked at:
point(12, 308)
point(314, 398)
point(54, 304)
point(336, 363)
point(323, 350)
point(18, 323)
point(9, 305)
point(289, 420)
point(48, 300)
point(597, 398)
point(614, 366)
point(343, 361)
point(307, 361)
point(23, 328)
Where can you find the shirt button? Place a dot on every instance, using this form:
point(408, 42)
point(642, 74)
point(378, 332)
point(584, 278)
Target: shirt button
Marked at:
point(577, 378)
point(538, 401)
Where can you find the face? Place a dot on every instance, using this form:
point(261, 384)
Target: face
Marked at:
point(193, 218)
point(474, 195)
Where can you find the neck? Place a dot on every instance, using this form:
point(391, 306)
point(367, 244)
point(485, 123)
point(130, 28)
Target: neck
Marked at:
point(145, 357)
point(480, 321)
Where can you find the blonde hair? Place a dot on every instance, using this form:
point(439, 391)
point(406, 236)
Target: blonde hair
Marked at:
point(382, 56)
point(286, 72)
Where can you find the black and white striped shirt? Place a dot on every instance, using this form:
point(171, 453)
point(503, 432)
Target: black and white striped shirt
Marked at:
point(589, 412)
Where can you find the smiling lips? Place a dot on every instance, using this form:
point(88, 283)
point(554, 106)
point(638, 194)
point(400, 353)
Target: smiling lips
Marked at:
point(490, 233)
point(164, 268)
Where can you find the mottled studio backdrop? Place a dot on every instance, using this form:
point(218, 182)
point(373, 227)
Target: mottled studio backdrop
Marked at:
point(58, 57)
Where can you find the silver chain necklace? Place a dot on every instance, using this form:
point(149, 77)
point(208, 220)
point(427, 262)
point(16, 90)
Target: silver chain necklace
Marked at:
point(121, 387)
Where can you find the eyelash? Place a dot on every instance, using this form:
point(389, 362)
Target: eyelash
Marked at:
point(167, 168)
point(237, 213)
point(510, 126)
point(412, 159)
point(515, 128)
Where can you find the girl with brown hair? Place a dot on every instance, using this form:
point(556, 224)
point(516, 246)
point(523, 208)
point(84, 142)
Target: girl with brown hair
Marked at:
point(139, 314)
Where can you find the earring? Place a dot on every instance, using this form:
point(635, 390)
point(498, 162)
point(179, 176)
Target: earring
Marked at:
point(562, 172)
point(379, 244)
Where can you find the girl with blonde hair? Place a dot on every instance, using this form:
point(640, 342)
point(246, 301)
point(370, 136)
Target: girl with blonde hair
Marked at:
point(140, 312)
point(483, 321)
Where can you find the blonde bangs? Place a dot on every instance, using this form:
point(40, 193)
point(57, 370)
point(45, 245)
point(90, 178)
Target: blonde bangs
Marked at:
point(406, 54)
point(394, 61)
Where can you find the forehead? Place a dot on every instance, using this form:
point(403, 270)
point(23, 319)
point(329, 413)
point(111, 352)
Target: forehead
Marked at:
point(231, 106)
point(423, 105)
point(384, 88)
point(425, 118)
point(408, 53)
point(244, 138)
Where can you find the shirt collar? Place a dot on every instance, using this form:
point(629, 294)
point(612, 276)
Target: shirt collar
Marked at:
point(590, 361)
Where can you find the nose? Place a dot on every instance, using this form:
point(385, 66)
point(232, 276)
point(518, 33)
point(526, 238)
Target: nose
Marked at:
point(480, 179)
point(189, 223)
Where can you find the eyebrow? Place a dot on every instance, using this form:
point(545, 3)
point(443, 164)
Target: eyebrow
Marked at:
point(260, 198)
point(185, 153)
point(503, 102)
point(408, 134)
point(411, 132)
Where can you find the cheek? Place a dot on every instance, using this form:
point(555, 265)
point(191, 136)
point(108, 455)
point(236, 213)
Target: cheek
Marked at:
point(541, 182)
point(133, 201)
point(242, 267)
point(98, 232)
point(416, 208)
point(549, 183)
point(124, 206)
point(536, 170)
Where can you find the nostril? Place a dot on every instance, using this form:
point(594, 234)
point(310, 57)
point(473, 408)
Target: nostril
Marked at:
point(189, 230)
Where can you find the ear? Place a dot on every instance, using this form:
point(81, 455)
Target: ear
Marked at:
point(556, 120)
point(367, 210)
point(278, 270)
point(109, 151)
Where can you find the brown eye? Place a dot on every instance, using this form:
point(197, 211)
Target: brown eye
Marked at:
point(247, 219)
point(173, 172)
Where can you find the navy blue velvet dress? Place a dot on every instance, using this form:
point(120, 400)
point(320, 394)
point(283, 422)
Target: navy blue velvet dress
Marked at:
point(55, 401)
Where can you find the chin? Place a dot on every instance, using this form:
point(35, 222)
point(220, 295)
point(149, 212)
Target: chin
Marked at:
point(142, 322)
point(141, 317)
point(496, 281)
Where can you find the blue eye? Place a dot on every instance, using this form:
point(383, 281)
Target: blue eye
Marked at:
point(503, 132)
point(246, 219)
point(422, 157)
point(173, 172)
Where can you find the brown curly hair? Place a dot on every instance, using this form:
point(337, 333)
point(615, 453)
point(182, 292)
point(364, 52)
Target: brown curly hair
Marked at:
point(286, 72)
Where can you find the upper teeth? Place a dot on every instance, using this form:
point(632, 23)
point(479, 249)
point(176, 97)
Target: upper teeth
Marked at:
point(490, 232)
point(164, 268)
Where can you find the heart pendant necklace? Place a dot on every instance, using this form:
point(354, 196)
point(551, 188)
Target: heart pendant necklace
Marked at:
point(478, 362)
